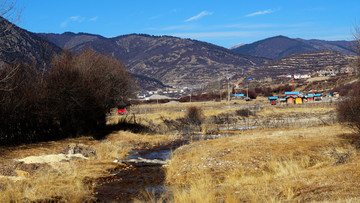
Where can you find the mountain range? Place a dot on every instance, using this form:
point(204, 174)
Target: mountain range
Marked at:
point(19, 45)
point(163, 61)
point(174, 61)
point(280, 46)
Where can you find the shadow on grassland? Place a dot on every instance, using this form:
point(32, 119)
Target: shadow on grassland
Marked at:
point(125, 126)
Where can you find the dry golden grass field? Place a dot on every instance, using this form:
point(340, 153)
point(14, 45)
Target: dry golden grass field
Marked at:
point(296, 153)
point(318, 163)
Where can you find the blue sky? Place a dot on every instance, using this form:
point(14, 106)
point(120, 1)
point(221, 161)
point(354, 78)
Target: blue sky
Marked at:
point(225, 23)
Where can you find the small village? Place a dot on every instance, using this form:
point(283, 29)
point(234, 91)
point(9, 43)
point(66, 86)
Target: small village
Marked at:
point(298, 98)
point(234, 92)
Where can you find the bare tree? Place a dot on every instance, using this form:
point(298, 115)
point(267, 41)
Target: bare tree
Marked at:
point(348, 110)
point(10, 10)
point(356, 47)
point(10, 14)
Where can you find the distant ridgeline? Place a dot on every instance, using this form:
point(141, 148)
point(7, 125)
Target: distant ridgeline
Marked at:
point(171, 60)
point(162, 61)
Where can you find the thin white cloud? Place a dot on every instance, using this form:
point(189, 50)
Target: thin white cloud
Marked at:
point(77, 19)
point(154, 17)
point(200, 15)
point(248, 26)
point(93, 19)
point(174, 10)
point(161, 15)
point(336, 37)
point(174, 27)
point(74, 18)
point(64, 24)
point(217, 34)
point(235, 27)
point(261, 26)
point(260, 13)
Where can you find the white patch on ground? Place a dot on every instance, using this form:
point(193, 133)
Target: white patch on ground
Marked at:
point(12, 178)
point(51, 158)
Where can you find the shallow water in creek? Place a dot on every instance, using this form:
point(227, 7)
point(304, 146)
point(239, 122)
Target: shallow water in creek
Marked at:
point(132, 181)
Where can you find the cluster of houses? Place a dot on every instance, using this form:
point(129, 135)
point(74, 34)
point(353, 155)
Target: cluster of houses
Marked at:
point(298, 98)
point(168, 94)
point(329, 71)
point(299, 76)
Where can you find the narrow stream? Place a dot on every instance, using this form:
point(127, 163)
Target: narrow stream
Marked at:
point(131, 181)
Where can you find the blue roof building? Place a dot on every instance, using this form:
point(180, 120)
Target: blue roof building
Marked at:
point(291, 93)
point(273, 100)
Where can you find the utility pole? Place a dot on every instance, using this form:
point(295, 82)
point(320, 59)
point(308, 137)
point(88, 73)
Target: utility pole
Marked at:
point(312, 88)
point(228, 85)
point(190, 94)
point(247, 90)
point(220, 88)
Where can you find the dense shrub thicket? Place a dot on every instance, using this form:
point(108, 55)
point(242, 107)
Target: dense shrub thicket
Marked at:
point(69, 99)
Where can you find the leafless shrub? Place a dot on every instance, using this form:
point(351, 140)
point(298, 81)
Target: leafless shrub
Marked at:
point(172, 125)
point(194, 115)
point(348, 112)
point(224, 118)
point(244, 113)
point(188, 124)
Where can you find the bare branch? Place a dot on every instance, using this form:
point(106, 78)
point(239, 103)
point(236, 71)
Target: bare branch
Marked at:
point(10, 14)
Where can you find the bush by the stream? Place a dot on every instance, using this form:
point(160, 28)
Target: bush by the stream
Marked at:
point(194, 116)
point(189, 123)
point(244, 113)
point(69, 99)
